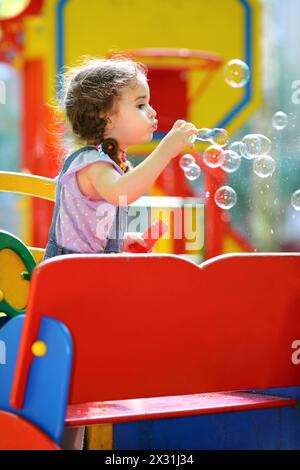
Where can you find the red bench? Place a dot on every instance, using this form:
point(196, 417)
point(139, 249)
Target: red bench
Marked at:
point(158, 336)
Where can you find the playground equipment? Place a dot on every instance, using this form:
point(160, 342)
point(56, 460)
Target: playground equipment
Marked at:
point(180, 341)
point(191, 356)
point(15, 257)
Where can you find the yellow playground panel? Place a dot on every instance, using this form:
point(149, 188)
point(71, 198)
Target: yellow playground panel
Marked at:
point(227, 28)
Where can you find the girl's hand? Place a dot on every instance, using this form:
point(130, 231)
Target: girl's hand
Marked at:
point(179, 137)
point(133, 237)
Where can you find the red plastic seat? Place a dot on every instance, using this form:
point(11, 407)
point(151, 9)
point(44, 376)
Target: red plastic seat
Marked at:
point(19, 434)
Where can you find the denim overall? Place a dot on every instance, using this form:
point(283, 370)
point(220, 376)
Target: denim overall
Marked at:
point(113, 245)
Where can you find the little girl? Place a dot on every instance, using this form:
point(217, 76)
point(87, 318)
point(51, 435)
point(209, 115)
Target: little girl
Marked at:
point(107, 105)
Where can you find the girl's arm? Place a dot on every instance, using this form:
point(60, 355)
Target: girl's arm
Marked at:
point(122, 190)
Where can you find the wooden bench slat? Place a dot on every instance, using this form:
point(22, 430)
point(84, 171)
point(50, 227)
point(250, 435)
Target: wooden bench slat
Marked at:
point(172, 406)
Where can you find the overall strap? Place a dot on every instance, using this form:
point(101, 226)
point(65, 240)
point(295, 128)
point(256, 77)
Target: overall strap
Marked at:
point(115, 241)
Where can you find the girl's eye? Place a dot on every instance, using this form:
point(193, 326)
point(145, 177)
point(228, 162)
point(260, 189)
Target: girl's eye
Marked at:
point(141, 106)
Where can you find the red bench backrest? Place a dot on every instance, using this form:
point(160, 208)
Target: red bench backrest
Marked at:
point(154, 325)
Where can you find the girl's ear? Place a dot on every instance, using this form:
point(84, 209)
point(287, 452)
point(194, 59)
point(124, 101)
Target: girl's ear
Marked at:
point(109, 122)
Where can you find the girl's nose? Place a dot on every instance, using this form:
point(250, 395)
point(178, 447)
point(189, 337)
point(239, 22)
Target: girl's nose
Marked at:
point(152, 112)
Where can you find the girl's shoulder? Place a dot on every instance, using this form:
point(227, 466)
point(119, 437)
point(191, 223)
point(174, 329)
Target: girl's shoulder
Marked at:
point(83, 157)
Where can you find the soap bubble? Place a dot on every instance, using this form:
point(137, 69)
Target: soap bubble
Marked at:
point(186, 160)
point(265, 144)
point(252, 146)
point(279, 120)
point(225, 197)
point(219, 137)
point(238, 146)
point(213, 156)
point(255, 145)
point(231, 162)
point(295, 200)
point(203, 135)
point(192, 172)
point(264, 166)
point(236, 73)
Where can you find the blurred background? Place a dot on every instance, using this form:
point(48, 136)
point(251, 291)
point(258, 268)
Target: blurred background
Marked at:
point(185, 45)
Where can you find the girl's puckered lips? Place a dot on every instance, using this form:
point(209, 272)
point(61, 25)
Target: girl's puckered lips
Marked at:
point(155, 125)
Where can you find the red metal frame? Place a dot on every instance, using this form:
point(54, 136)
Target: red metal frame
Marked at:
point(214, 224)
point(35, 142)
point(182, 53)
point(38, 143)
point(192, 60)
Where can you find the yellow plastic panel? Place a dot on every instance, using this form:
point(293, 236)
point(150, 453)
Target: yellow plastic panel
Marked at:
point(15, 289)
point(228, 28)
point(30, 185)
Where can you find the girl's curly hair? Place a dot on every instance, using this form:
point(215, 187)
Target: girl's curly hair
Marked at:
point(93, 88)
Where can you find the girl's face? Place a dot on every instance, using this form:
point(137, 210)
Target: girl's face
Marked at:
point(134, 120)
